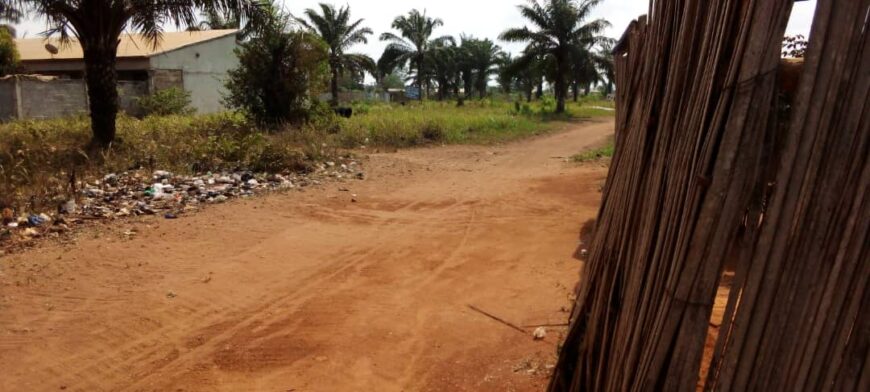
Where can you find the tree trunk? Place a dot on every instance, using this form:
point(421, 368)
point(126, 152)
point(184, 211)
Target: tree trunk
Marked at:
point(102, 81)
point(561, 87)
point(540, 92)
point(575, 87)
point(334, 87)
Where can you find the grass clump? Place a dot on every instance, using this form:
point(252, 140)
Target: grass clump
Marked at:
point(595, 154)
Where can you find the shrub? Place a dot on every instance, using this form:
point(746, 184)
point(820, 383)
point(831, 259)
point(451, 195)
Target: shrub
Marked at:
point(171, 101)
point(8, 53)
point(277, 71)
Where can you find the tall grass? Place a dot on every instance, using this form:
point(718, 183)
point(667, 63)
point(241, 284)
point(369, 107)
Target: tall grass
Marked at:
point(42, 159)
point(477, 122)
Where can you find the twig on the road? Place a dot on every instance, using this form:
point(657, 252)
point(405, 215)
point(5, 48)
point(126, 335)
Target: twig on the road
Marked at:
point(496, 318)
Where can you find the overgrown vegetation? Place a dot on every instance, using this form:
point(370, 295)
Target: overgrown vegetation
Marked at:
point(167, 102)
point(487, 121)
point(595, 154)
point(8, 52)
point(40, 159)
point(276, 74)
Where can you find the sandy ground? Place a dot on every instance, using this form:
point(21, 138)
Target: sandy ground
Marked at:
point(310, 291)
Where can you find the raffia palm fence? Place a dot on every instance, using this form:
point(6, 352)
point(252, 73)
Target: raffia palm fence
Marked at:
point(718, 172)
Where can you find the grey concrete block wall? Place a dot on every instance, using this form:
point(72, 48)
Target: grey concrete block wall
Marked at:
point(128, 96)
point(43, 99)
point(8, 104)
point(52, 99)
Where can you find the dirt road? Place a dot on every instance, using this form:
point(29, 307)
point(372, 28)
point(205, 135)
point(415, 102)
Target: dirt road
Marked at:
point(312, 292)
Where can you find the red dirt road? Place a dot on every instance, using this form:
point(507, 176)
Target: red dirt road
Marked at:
point(311, 292)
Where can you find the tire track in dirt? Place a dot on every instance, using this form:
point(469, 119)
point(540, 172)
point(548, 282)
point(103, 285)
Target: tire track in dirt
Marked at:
point(313, 292)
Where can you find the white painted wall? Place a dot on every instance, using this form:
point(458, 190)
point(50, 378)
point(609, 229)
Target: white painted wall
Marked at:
point(205, 67)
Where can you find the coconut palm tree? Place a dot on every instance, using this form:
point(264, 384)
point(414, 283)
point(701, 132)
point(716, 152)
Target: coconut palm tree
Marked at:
point(560, 26)
point(412, 44)
point(97, 26)
point(334, 27)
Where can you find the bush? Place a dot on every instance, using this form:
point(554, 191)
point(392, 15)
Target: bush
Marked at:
point(8, 53)
point(277, 71)
point(171, 101)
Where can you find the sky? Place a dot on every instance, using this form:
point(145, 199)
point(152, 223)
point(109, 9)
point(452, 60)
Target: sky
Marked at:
point(480, 18)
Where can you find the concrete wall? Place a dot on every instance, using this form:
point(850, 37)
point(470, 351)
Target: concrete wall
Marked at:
point(52, 99)
point(205, 66)
point(8, 109)
point(42, 98)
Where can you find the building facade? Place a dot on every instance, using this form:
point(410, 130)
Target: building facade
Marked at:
point(195, 61)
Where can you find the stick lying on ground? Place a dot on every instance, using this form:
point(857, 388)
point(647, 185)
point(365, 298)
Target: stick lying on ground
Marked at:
point(496, 318)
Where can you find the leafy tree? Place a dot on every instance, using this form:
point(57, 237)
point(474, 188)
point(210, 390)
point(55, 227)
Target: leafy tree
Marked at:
point(444, 62)
point(391, 80)
point(277, 72)
point(335, 28)
point(604, 62)
point(794, 46)
point(527, 71)
point(8, 53)
point(98, 24)
point(8, 12)
point(583, 71)
point(412, 45)
point(482, 56)
point(506, 79)
point(559, 28)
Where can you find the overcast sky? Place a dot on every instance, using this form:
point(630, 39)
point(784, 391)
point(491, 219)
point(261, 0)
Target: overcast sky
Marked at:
point(480, 18)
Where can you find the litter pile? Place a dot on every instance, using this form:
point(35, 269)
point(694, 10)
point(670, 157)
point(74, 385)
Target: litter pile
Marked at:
point(137, 193)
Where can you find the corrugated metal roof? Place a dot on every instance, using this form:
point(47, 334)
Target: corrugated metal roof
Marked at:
point(132, 45)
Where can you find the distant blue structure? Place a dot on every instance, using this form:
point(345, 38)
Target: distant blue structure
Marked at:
point(412, 92)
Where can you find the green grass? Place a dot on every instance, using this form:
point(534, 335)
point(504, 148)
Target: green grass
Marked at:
point(39, 158)
point(478, 122)
point(595, 154)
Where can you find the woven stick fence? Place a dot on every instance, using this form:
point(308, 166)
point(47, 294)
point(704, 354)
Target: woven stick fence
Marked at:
point(710, 173)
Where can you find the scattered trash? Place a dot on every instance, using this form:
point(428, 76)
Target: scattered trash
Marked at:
point(69, 207)
point(171, 295)
point(139, 193)
point(35, 220)
point(540, 333)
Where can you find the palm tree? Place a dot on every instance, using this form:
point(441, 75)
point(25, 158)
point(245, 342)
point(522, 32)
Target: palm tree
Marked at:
point(483, 57)
point(604, 62)
point(9, 14)
point(444, 62)
point(413, 43)
point(528, 71)
point(584, 72)
point(505, 77)
point(560, 26)
point(336, 30)
point(97, 26)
